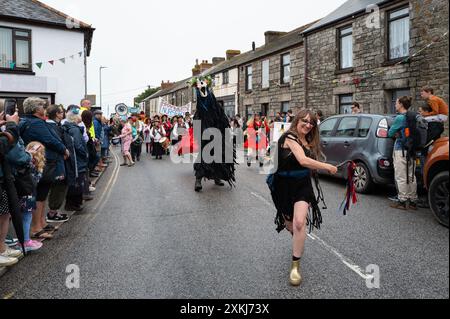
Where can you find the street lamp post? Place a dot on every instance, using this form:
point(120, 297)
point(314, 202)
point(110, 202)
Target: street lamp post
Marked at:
point(100, 71)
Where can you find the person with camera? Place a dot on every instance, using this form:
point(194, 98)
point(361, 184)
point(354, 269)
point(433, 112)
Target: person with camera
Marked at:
point(33, 128)
point(9, 136)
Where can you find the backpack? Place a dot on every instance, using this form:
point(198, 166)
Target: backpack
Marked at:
point(416, 134)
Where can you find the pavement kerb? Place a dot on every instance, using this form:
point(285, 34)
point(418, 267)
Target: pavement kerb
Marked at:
point(94, 181)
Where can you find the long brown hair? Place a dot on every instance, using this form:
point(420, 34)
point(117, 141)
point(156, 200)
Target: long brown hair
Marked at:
point(313, 137)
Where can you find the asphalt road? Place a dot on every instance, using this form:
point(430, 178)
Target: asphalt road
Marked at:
point(149, 235)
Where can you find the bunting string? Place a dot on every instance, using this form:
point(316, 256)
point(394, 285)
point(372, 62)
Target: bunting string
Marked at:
point(12, 64)
point(368, 74)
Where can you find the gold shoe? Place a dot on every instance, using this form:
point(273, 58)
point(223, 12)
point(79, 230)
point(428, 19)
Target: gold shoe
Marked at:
point(295, 278)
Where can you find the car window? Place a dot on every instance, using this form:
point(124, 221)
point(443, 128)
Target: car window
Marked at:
point(347, 127)
point(364, 127)
point(326, 128)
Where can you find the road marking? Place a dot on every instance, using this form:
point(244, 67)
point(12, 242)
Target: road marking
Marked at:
point(345, 260)
point(263, 199)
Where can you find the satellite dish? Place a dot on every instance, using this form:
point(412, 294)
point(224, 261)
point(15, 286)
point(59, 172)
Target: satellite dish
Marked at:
point(121, 109)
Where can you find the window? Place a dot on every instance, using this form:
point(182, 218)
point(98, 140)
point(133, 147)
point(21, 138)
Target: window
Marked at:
point(248, 78)
point(345, 104)
point(15, 49)
point(265, 109)
point(265, 74)
point(364, 127)
point(346, 48)
point(286, 68)
point(398, 34)
point(247, 110)
point(285, 106)
point(225, 77)
point(347, 127)
point(395, 95)
point(326, 128)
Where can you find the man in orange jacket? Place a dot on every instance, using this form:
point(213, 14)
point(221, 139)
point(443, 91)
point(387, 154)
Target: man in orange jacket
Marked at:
point(438, 114)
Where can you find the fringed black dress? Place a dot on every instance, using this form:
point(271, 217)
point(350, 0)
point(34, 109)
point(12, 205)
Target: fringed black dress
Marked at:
point(292, 183)
point(212, 115)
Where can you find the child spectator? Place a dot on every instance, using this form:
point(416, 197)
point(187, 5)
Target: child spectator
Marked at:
point(28, 203)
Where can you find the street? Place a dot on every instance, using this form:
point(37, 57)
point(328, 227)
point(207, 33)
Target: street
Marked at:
point(151, 236)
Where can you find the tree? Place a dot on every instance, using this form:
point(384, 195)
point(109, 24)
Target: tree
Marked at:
point(150, 91)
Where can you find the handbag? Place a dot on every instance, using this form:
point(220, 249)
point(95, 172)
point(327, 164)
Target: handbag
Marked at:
point(24, 181)
point(49, 174)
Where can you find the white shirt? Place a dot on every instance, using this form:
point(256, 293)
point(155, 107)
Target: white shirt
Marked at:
point(156, 134)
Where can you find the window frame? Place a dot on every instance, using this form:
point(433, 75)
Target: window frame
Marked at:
point(282, 65)
point(342, 119)
point(340, 103)
point(388, 30)
point(339, 53)
point(14, 50)
point(282, 104)
point(268, 74)
point(249, 82)
point(361, 119)
point(225, 77)
point(333, 130)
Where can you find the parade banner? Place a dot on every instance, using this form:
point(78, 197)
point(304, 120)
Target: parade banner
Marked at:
point(172, 110)
point(279, 129)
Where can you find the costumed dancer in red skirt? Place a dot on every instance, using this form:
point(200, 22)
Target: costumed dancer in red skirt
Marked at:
point(256, 142)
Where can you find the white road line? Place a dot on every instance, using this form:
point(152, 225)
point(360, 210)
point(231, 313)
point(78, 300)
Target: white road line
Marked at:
point(345, 260)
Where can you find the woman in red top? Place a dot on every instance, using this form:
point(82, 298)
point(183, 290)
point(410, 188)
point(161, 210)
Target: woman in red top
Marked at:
point(256, 143)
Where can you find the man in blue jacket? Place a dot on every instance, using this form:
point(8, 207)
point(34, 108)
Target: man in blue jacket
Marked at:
point(33, 127)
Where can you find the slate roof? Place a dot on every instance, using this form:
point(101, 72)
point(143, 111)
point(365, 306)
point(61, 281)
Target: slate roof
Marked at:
point(348, 9)
point(36, 12)
point(283, 42)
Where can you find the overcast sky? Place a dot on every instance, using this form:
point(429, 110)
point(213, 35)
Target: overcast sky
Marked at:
point(143, 41)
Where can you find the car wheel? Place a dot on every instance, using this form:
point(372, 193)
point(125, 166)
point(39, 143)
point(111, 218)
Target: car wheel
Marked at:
point(363, 180)
point(438, 196)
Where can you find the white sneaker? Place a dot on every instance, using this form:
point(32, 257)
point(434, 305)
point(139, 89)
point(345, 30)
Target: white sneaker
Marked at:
point(11, 253)
point(7, 261)
point(91, 189)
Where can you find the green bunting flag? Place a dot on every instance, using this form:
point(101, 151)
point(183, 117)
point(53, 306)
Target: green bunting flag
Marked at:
point(63, 60)
point(39, 65)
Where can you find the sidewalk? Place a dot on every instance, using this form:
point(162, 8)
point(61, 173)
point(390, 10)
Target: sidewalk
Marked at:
point(94, 181)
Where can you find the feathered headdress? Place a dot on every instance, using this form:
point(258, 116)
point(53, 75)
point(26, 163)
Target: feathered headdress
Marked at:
point(208, 79)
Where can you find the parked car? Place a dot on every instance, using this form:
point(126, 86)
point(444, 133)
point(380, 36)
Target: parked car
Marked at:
point(436, 177)
point(362, 138)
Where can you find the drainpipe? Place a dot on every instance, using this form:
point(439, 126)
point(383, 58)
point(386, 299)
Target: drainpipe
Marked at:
point(305, 44)
point(85, 72)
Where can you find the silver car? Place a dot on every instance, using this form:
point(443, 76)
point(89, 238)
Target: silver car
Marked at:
point(362, 138)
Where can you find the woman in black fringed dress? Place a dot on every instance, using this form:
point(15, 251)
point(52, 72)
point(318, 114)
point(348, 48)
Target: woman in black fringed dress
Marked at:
point(291, 186)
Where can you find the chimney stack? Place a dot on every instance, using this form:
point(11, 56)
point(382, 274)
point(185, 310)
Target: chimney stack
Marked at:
point(273, 35)
point(166, 85)
point(200, 68)
point(217, 60)
point(232, 53)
